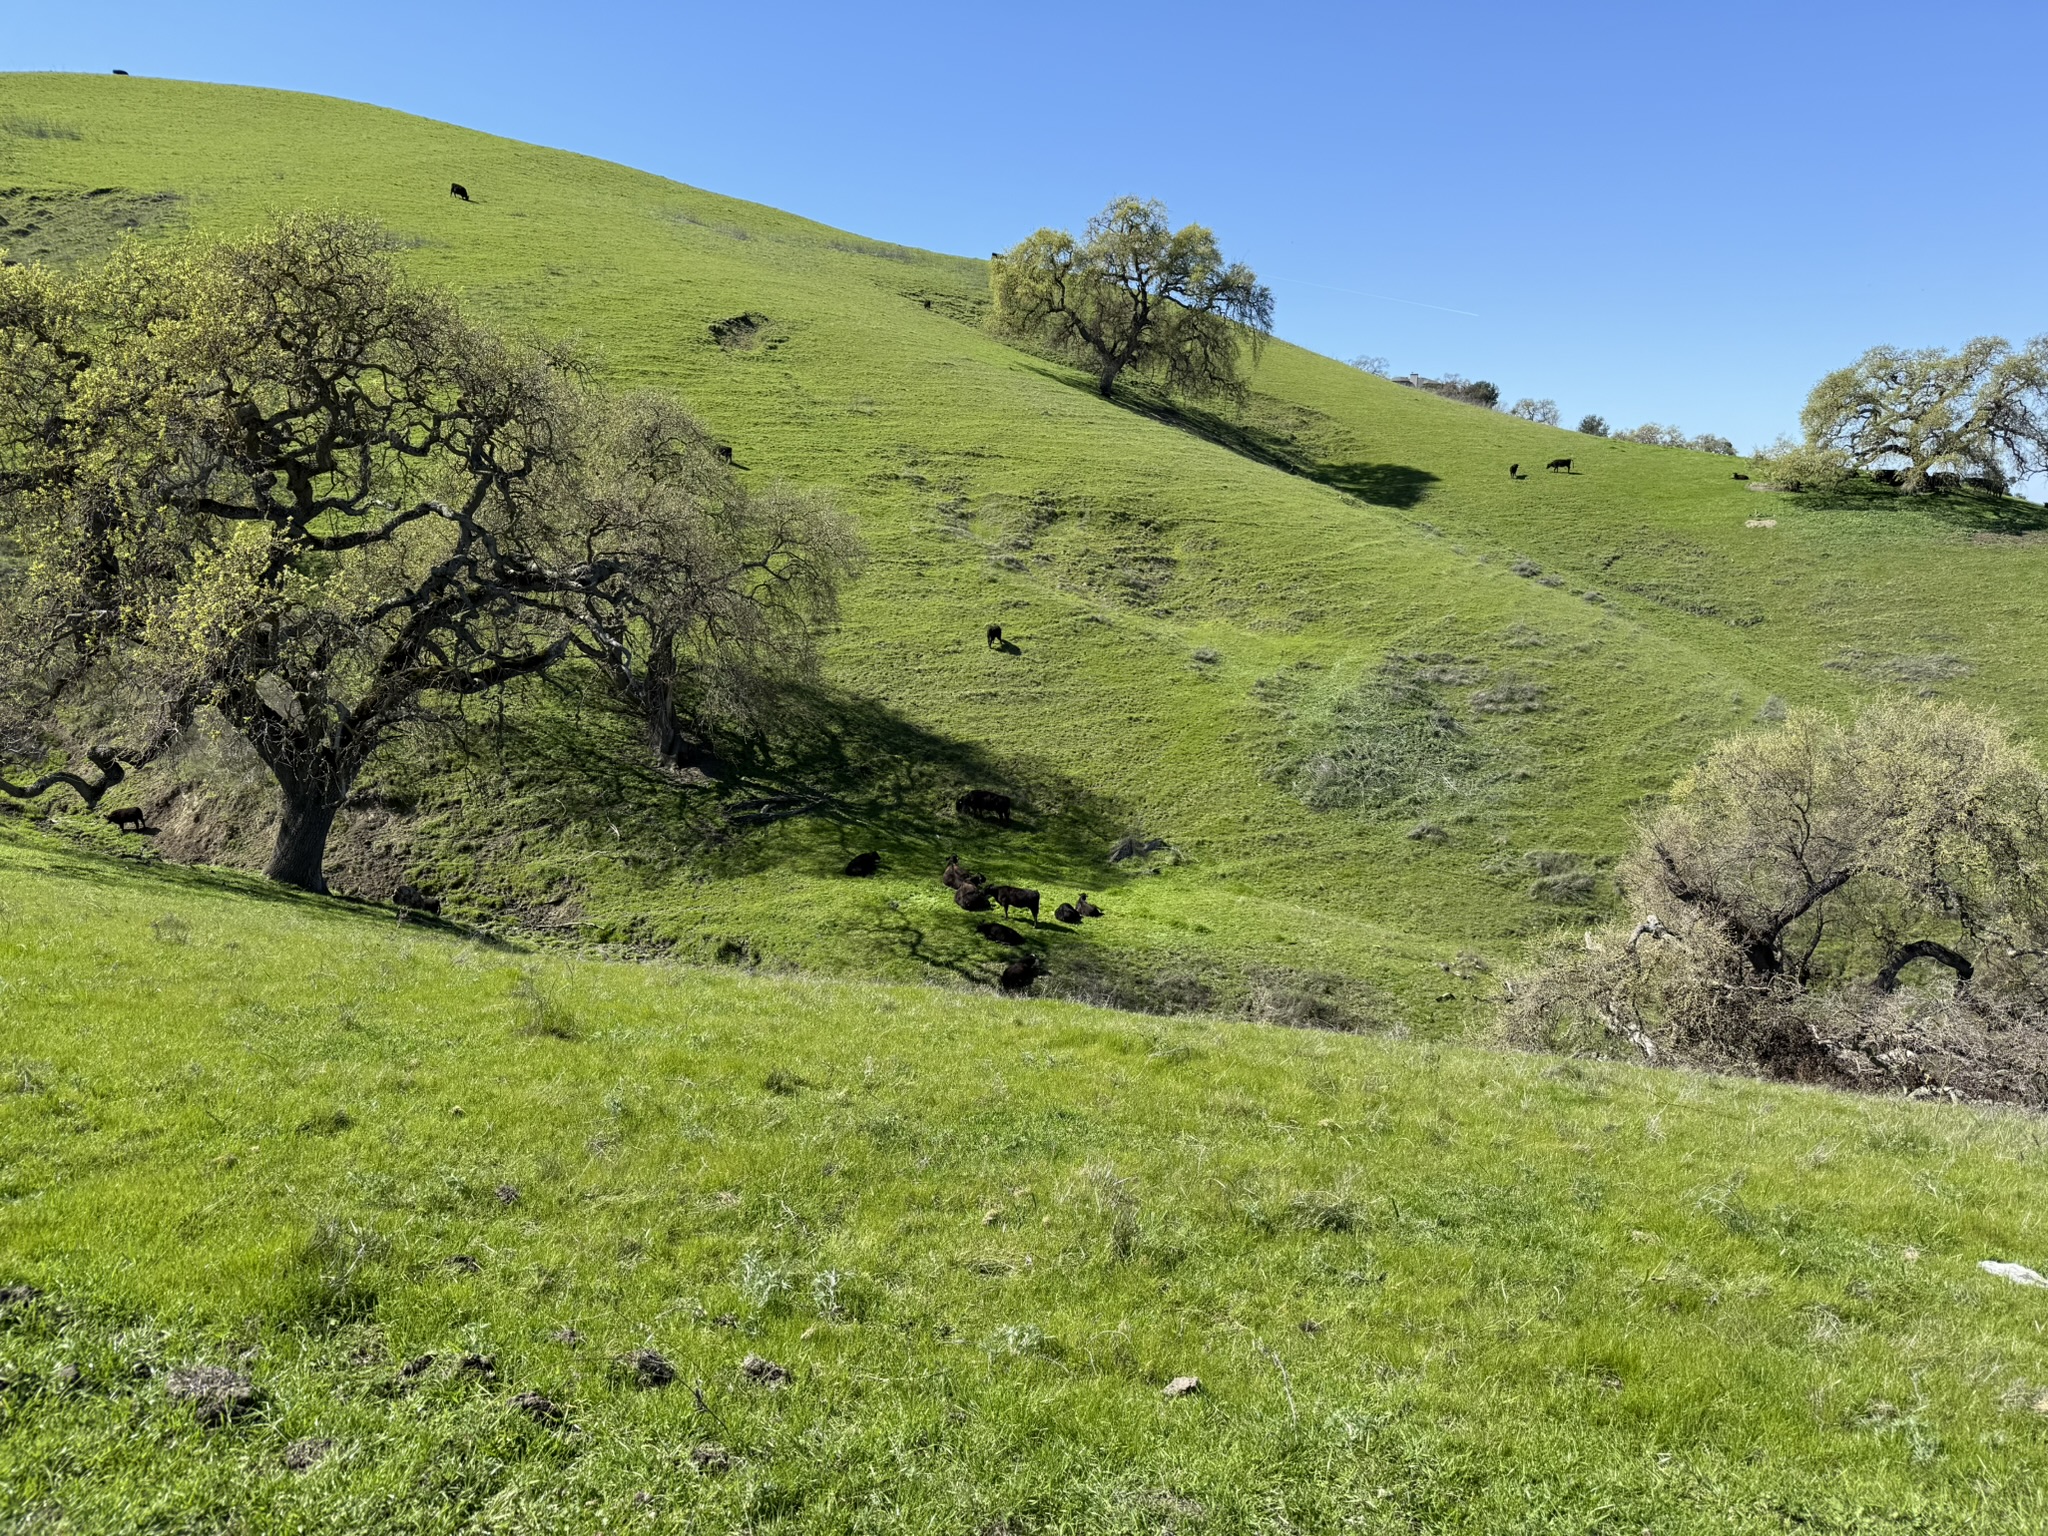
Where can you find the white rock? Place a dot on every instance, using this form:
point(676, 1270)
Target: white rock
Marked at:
point(2018, 1274)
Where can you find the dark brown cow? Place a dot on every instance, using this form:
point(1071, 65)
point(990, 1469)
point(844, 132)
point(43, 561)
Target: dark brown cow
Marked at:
point(970, 898)
point(1000, 933)
point(128, 819)
point(1065, 913)
point(861, 865)
point(995, 636)
point(1008, 896)
point(1563, 464)
point(1019, 974)
point(457, 189)
point(987, 804)
point(1086, 907)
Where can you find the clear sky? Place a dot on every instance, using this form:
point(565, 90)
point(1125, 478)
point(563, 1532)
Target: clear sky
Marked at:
point(1670, 212)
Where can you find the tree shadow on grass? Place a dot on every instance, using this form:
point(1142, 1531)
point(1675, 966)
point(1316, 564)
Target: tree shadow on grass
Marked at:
point(1398, 486)
point(859, 775)
point(1976, 511)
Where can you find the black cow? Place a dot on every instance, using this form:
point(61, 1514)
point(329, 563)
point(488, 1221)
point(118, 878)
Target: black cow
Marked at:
point(995, 636)
point(927, 303)
point(1000, 933)
point(1563, 464)
point(987, 804)
point(128, 819)
point(861, 865)
point(1514, 471)
point(970, 898)
point(1065, 913)
point(723, 450)
point(1008, 896)
point(120, 71)
point(953, 876)
point(410, 898)
point(1739, 475)
point(1086, 907)
point(1019, 974)
point(457, 189)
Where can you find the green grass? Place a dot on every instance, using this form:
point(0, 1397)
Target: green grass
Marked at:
point(1196, 597)
point(982, 1234)
point(248, 1129)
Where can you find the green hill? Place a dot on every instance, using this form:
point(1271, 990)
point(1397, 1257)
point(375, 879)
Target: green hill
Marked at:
point(1389, 711)
point(1422, 1287)
point(1282, 640)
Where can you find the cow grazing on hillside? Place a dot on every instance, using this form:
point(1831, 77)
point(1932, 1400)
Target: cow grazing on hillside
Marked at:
point(128, 819)
point(1008, 896)
point(457, 189)
point(995, 636)
point(1000, 933)
point(987, 804)
point(861, 865)
point(1019, 974)
point(1086, 907)
point(1563, 464)
point(1514, 471)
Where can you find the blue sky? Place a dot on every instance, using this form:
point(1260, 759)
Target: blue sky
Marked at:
point(1662, 212)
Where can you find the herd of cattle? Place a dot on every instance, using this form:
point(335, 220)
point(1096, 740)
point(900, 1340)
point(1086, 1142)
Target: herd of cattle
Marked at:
point(977, 893)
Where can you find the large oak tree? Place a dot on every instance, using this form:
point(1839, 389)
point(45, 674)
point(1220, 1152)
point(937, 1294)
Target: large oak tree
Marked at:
point(275, 478)
point(1134, 294)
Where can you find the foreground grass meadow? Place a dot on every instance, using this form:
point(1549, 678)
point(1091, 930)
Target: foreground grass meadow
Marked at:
point(1423, 1287)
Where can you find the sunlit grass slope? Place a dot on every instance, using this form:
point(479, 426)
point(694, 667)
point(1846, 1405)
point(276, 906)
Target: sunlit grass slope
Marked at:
point(1423, 1287)
point(1199, 602)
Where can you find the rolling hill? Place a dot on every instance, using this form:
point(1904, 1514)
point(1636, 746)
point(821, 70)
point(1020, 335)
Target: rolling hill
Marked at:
point(1385, 705)
point(311, 1220)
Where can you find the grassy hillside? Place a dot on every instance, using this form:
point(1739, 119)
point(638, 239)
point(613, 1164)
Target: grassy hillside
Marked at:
point(1423, 1288)
point(1387, 706)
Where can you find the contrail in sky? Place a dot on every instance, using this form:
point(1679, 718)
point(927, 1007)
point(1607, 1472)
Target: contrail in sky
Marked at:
point(1360, 293)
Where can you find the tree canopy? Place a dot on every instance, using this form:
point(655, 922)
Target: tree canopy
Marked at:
point(275, 479)
point(1975, 415)
point(1135, 295)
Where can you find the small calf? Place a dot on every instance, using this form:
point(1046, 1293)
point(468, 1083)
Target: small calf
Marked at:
point(1739, 475)
point(1086, 907)
point(861, 865)
point(410, 898)
point(129, 818)
point(457, 189)
point(1065, 913)
point(1000, 933)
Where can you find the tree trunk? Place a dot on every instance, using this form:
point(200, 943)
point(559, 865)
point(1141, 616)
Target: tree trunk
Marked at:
point(1106, 379)
point(300, 854)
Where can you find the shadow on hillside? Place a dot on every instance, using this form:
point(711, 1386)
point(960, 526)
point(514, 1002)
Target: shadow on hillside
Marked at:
point(879, 779)
point(1977, 511)
point(97, 868)
point(1398, 486)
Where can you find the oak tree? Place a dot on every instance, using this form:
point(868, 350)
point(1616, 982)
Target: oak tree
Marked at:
point(1133, 294)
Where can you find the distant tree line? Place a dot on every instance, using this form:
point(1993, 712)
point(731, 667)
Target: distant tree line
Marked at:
point(1926, 420)
point(274, 483)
